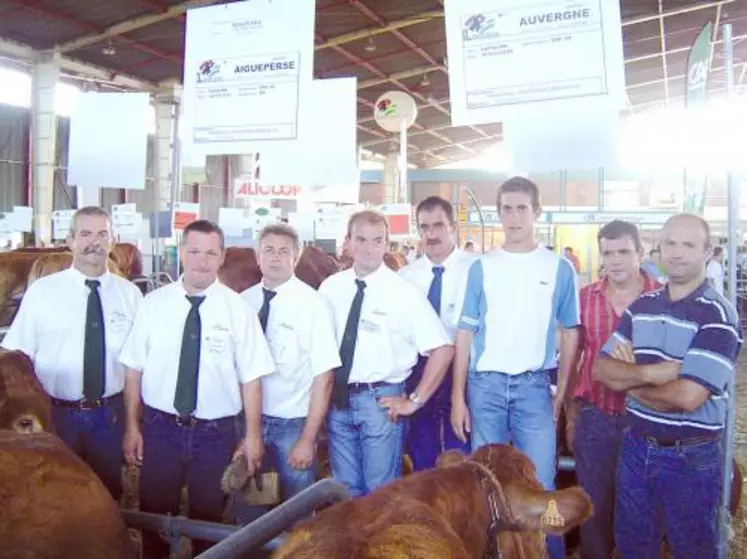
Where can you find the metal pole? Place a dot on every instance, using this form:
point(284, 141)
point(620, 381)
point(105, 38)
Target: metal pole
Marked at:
point(479, 214)
point(733, 234)
point(402, 161)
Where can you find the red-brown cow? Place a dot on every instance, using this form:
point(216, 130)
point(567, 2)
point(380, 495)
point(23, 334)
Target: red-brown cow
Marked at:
point(24, 405)
point(53, 505)
point(446, 513)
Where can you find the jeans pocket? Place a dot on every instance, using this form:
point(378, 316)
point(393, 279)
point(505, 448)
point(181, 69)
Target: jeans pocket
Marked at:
point(703, 457)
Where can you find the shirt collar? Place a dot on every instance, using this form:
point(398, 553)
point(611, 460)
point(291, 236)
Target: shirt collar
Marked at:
point(374, 276)
point(448, 262)
point(205, 292)
point(288, 284)
point(649, 284)
point(697, 292)
point(81, 277)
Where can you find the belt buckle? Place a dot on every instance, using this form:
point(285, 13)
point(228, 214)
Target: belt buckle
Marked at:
point(90, 404)
point(185, 421)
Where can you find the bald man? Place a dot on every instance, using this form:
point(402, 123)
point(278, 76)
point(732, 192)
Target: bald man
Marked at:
point(674, 353)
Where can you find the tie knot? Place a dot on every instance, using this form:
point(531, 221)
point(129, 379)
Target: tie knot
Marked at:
point(437, 270)
point(93, 284)
point(269, 294)
point(195, 300)
point(360, 284)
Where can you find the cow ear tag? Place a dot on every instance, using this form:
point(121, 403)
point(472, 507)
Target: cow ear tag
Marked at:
point(552, 516)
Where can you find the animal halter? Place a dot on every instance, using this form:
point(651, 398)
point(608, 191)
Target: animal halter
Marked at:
point(491, 487)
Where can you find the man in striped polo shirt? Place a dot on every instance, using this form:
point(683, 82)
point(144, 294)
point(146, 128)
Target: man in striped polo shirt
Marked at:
point(674, 353)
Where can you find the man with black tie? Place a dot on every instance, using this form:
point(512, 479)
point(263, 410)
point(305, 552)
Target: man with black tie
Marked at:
point(194, 358)
point(72, 325)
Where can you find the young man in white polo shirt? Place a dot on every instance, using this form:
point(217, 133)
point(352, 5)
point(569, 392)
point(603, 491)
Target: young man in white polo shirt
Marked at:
point(72, 324)
point(515, 299)
point(297, 322)
point(383, 322)
point(441, 275)
point(194, 358)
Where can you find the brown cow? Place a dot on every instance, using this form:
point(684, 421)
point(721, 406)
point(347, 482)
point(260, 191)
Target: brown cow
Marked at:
point(53, 505)
point(129, 259)
point(24, 405)
point(313, 266)
point(446, 513)
point(240, 270)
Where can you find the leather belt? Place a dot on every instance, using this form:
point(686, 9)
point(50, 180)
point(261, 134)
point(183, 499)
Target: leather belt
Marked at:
point(186, 420)
point(364, 386)
point(84, 404)
point(679, 443)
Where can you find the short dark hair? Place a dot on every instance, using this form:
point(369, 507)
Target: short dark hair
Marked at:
point(91, 211)
point(618, 229)
point(433, 202)
point(204, 226)
point(717, 251)
point(371, 217)
point(520, 184)
point(283, 230)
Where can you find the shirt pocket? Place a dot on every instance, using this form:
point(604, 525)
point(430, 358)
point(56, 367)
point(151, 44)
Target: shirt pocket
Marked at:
point(217, 345)
point(118, 325)
point(285, 348)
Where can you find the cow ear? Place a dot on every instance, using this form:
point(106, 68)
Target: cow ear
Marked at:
point(449, 458)
point(552, 512)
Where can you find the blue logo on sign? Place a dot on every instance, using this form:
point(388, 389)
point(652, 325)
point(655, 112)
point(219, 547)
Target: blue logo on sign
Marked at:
point(209, 71)
point(478, 26)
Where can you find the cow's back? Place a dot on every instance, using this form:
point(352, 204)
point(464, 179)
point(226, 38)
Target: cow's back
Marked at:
point(53, 505)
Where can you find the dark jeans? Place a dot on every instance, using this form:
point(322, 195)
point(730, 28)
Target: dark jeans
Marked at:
point(672, 491)
point(174, 455)
point(429, 433)
point(597, 449)
point(96, 436)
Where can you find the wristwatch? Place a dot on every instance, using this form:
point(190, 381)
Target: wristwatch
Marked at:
point(415, 399)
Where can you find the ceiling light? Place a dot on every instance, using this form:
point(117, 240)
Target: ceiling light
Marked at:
point(370, 45)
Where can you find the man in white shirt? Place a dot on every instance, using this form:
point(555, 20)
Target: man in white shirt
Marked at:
point(297, 322)
point(441, 275)
point(72, 324)
point(515, 299)
point(715, 270)
point(194, 359)
point(382, 324)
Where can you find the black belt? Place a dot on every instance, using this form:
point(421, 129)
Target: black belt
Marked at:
point(354, 387)
point(86, 404)
point(677, 443)
point(187, 420)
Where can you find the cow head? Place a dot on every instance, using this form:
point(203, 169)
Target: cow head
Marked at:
point(24, 405)
point(525, 510)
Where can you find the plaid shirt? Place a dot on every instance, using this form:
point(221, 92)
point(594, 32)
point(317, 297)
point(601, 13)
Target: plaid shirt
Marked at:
point(598, 322)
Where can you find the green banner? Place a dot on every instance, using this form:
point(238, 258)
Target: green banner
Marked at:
point(696, 93)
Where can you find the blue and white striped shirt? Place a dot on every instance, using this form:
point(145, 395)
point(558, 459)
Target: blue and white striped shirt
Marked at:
point(703, 333)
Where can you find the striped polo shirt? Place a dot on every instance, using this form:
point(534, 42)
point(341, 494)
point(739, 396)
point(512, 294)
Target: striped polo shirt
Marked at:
point(703, 333)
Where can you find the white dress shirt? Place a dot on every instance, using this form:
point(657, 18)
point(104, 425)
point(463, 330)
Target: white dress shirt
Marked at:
point(301, 336)
point(397, 322)
point(233, 350)
point(454, 282)
point(50, 328)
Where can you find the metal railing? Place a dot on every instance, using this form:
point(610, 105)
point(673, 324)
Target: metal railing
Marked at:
point(237, 541)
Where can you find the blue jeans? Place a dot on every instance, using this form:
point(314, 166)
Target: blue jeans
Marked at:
point(675, 491)
point(365, 448)
point(96, 436)
point(517, 408)
point(174, 455)
point(597, 449)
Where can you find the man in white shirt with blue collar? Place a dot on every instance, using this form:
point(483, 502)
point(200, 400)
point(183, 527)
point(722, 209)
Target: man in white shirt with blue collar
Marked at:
point(297, 322)
point(194, 359)
point(383, 322)
point(441, 275)
point(72, 325)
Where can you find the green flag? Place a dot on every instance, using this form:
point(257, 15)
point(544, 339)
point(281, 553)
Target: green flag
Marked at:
point(696, 93)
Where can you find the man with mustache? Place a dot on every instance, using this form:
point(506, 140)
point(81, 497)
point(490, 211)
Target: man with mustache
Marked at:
point(72, 324)
point(441, 275)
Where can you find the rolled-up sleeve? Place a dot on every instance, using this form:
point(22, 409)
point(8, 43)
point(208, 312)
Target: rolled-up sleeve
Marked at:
point(253, 357)
point(711, 357)
point(473, 299)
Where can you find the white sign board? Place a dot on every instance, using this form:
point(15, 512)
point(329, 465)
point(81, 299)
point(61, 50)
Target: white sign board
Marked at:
point(334, 140)
point(61, 223)
point(246, 65)
point(125, 219)
point(19, 220)
point(109, 140)
point(504, 54)
point(243, 187)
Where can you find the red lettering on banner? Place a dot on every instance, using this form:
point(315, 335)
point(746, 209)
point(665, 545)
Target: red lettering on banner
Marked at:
point(271, 191)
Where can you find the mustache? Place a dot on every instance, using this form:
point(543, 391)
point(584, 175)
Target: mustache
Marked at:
point(93, 250)
point(432, 242)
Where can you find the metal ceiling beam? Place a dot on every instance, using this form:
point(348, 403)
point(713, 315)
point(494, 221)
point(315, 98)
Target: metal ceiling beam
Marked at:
point(389, 27)
point(413, 72)
point(675, 12)
point(31, 5)
point(654, 55)
point(663, 45)
point(26, 53)
point(131, 24)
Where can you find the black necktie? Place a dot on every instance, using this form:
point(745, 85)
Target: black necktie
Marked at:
point(434, 292)
point(185, 399)
point(264, 311)
point(347, 349)
point(94, 347)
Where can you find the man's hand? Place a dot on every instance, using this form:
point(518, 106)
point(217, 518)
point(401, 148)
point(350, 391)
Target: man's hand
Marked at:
point(460, 420)
point(663, 372)
point(253, 450)
point(132, 446)
point(302, 454)
point(398, 406)
point(624, 352)
point(557, 405)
